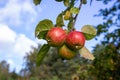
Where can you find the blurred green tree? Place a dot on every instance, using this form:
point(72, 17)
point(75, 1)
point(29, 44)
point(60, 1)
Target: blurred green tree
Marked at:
point(55, 68)
point(4, 70)
point(106, 66)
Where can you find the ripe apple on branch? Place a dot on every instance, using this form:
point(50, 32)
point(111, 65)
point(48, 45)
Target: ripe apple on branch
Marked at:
point(68, 41)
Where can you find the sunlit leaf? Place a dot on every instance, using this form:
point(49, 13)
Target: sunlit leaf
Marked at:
point(41, 54)
point(36, 2)
point(59, 20)
point(85, 53)
point(42, 28)
point(67, 15)
point(89, 32)
point(74, 10)
point(66, 2)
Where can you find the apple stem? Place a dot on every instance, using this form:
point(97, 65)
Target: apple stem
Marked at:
point(75, 18)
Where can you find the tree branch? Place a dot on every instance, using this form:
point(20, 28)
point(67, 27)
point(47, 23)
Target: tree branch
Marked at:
point(75, 18)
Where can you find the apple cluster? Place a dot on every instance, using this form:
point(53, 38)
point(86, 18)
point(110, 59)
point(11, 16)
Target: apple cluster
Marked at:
point(67, 43)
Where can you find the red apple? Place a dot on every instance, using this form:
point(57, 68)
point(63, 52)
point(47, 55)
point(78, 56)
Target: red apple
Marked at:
point(66, 53)
point(56, 36)
point(75, 40)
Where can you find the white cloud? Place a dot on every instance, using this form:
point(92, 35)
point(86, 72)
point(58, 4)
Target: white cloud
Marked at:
point(23, 44)
point(6, 35)
point(16, 14)
point(41, 41)
point(10, 61)
point(12, 13)
point(13, 46)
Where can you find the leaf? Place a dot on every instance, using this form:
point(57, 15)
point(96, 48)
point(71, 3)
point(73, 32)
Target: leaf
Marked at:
point(89, 32)
point(59, 20)
point(41, 54)
point(42, 35)
point(85, 53)
point(70, 24)
point(84, 1)
point(42, 28)
point(67, 15)
point(74, 10)
point(36, 2)
point(66, 2)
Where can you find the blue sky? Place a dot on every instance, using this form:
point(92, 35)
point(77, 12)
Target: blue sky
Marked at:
point(18, 19)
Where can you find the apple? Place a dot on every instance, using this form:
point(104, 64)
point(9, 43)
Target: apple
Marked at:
point(66, 53)
point(56, 36)
point(75, 40)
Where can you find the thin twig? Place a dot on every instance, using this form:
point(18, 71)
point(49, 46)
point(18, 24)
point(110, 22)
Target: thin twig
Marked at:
point(75, 18)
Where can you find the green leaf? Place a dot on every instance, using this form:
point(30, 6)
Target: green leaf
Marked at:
point(84, 1)
point(59, 20)
point(36, 2)
point(41, 54)
point(42, 34)
point(42, 28)
point(89, 32)
point(67, 15)
point(74, 10)
point(70, 24)
point(66, 3)
point(85, 53)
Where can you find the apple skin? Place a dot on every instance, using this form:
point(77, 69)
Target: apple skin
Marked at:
point(56, 36)
point(75, 40)
point(66, 53)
